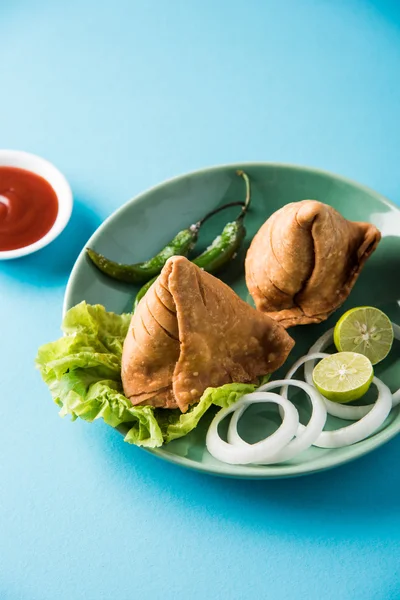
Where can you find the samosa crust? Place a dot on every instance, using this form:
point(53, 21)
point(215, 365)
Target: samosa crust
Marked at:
point(304, 261)
point(191, 331)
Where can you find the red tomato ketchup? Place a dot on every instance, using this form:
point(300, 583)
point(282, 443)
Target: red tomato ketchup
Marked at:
point(28, 208)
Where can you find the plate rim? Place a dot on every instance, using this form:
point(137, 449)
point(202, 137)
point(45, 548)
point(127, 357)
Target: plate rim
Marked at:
point(247, 471)
point(214, 168)
point(290, 470)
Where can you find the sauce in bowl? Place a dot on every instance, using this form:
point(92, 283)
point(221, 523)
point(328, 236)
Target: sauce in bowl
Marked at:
point(28, 208)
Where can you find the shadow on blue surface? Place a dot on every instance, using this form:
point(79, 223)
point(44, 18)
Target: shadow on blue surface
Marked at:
point(52, 265)
point(341, 499)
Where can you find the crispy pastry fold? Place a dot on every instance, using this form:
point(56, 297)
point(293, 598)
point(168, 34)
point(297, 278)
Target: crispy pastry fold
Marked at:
point(304, 261)
point(191, 331)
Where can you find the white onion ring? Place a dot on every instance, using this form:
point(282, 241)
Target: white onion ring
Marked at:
point(304, 437)
point(351, 434)
point(292, 437)
point(322, 342)
point(396, 330)
point(259, 452)
point(302, 360)
point(343, 411)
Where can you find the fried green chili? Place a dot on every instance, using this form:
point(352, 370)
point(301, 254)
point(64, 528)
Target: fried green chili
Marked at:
point(182, 243)
point(225, 246)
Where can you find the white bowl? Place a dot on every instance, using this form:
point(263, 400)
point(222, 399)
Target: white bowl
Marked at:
point(40, 166)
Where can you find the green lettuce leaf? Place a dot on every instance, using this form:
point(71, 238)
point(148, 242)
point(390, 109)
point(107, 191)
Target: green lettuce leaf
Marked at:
point(83, 372)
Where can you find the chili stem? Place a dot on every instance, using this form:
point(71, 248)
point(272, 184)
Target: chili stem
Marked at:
point(248, 192)
point(217, 210)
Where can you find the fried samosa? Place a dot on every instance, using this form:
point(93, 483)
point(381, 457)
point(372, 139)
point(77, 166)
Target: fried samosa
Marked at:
point(191, 331)
point(304, 261)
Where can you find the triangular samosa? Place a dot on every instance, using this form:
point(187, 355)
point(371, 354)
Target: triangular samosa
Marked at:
point(191, 331)
point(304, 261)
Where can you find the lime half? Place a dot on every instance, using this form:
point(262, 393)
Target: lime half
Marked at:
point(343, 377)
point(366, 330)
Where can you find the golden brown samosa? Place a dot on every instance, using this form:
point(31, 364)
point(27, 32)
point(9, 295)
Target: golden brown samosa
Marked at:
point(191, 331)
point(304, 261)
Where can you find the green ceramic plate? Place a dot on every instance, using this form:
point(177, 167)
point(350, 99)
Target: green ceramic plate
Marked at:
point(142, 226)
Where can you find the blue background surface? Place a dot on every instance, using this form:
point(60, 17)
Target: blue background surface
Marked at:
point(121, 95)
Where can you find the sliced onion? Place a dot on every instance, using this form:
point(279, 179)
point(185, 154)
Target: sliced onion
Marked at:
point(343, 411)
point(396, 398)
point(322, 342)
point(314, 356)
point(351, 434)
point(320, 345)
point(292, 437)
point(305, 437)
point(261, 451)
point(396, 332)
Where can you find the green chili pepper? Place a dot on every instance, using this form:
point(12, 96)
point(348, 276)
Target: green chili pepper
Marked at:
point(217, 255)
point(223, 248)
point(227, 244)
point(182, 243)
